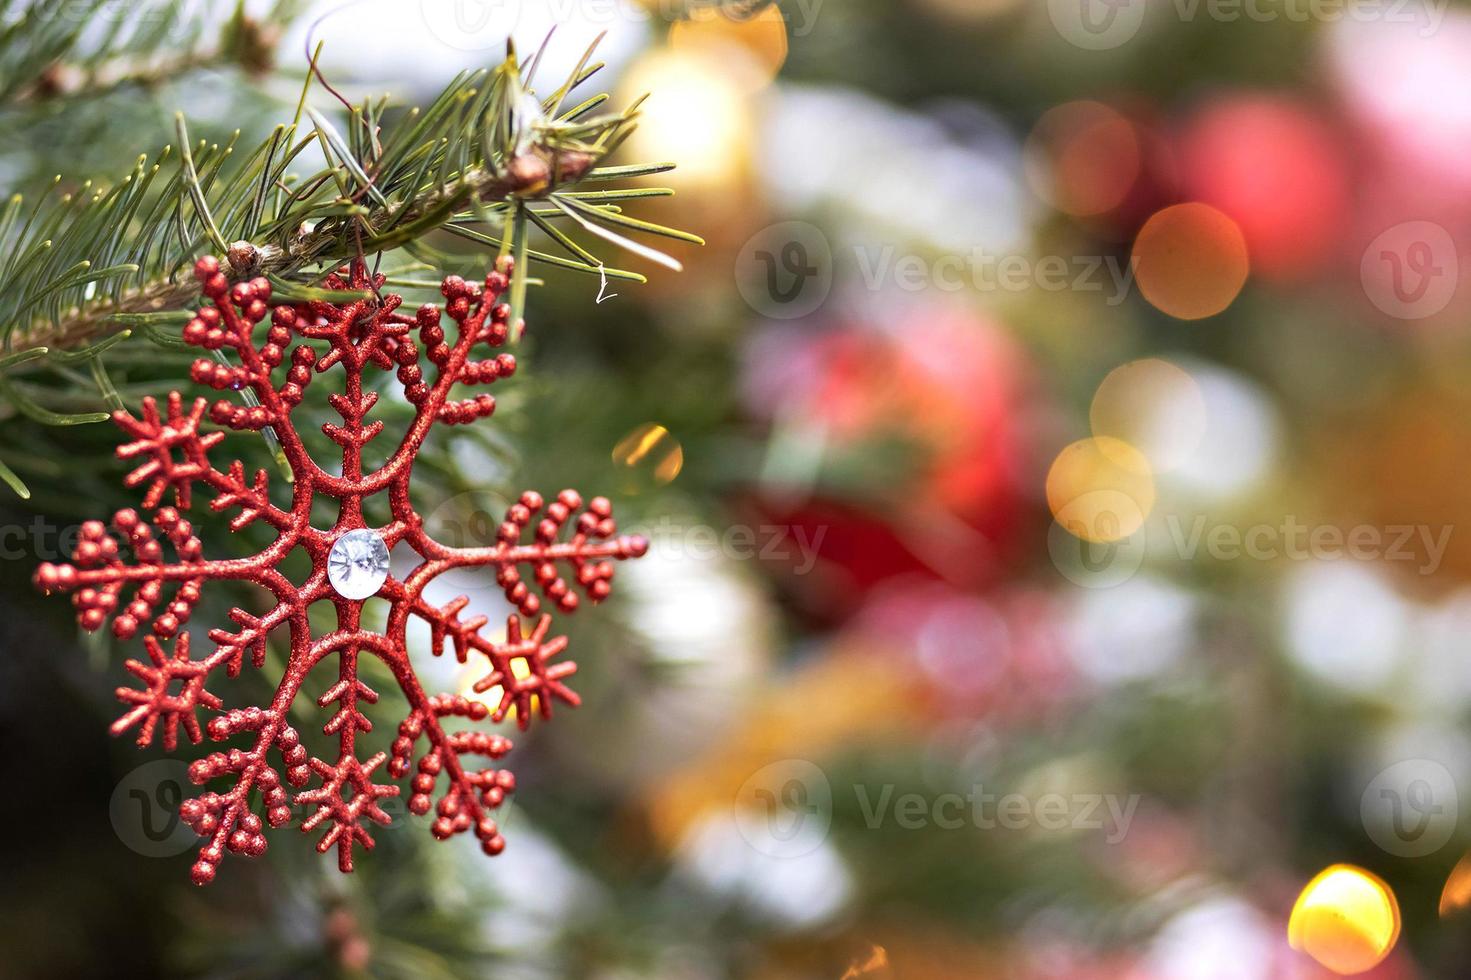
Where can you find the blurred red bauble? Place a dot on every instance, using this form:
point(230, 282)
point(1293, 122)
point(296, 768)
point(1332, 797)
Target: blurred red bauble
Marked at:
point(1277, 167)
point(938, 397)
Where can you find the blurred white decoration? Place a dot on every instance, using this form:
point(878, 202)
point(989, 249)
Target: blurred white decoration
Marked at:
point(964, 196)
point(1441, 677)
point(705, 631)
point(794, 893)
point(1220, 938)
point(1395, 72)
point(531, 918)
point(1239, 444)
point(414, 47)
point(1346, 625)
point(1130, 632)
point(696, 609)
point(1154, 406)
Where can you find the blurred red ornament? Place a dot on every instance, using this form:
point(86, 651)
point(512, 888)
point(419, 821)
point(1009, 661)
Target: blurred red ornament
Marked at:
point(941, 395)
point(1278, 169)
point(349, 565)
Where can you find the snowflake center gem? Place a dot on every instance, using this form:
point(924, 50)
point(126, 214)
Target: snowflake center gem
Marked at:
point(357, 565)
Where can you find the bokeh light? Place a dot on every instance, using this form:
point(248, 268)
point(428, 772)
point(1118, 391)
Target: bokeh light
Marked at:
point(1347, 919)
point(1190, 261)
point(1345, 625)
point(1154, 406)
point(696, 113)
point(1456, 896)
point(713, 33)
point(1100, 489)
point(1083, 158)
point(651, 449)
point(1277, 168)
point(1241, 442)
point(491, 696)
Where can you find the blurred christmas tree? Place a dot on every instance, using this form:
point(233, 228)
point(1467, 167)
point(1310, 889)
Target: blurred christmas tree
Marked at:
point(1027, 595)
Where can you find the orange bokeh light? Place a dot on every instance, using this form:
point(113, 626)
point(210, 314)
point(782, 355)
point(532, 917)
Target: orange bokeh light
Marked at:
point(1456, 896)
point(713, 33)
point(1190, 261)
point(651, 448)
point(1347, 919)
point(1083, 158)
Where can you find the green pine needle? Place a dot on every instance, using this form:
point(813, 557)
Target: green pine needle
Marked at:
point(485, 160)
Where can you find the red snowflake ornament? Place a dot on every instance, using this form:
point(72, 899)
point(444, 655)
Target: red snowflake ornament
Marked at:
point(349, 564)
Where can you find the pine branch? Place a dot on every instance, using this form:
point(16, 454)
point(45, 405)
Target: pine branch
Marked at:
point(77, 267)
point(69, 49)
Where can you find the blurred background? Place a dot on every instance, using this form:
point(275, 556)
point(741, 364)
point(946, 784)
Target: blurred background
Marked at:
point(1055, 463)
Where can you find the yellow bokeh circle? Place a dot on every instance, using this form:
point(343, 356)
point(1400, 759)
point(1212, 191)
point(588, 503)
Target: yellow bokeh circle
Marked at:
point(1100, 489)
point(1347, 919)
point(715, 34)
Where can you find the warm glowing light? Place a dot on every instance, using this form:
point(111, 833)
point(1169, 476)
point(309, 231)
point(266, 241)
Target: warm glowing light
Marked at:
point(1190, 261)
point(1456, 897)
point(651, 447)
point(1347, 919)
point(714, 35)
point(1083, 158)
point(1153, 405)
point(696, 113)
point(877, 959)
point(491, 697)
point(1100, 489)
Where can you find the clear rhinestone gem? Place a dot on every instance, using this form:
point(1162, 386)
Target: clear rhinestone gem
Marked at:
point(358, 564)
